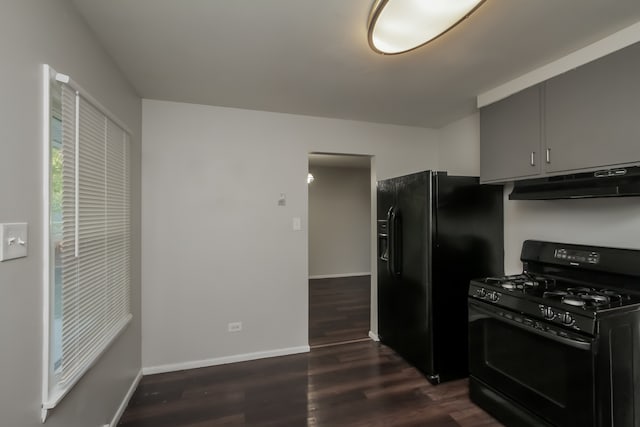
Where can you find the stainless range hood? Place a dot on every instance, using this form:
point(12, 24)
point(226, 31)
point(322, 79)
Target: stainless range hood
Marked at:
point(620, 182)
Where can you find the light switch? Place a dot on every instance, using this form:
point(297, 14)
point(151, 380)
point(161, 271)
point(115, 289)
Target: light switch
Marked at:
point(13, 238)
point(297, 225)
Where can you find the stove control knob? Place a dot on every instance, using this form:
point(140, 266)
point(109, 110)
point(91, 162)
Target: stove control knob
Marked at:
point(482, 292)
point(493, 296)
point(567, 319)
point(548, 313)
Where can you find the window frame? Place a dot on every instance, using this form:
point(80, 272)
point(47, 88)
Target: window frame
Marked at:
point(52, 391)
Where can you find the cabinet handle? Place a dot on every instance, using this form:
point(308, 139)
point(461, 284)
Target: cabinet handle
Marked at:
point(548, 155)
point(533, 158)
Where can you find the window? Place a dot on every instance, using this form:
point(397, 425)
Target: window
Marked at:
point(89, 227)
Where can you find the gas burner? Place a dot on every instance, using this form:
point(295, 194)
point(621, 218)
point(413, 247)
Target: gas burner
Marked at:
point(584, 299)
point(615, 297)
point(507, 282)
point(596, 299)
point(555, 294)
point(519, 283)
point(508, 285)
point(574, 300)
point(547, 282)
point(580, 290)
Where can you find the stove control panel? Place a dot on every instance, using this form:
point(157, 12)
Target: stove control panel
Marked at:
point(572, 255)
point(548, 328)
point(488, 295)
point(562, 317)
point(494, 296)
point(547, 312)
point(567, 319)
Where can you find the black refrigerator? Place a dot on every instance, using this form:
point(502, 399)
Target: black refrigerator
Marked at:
point(435, 233)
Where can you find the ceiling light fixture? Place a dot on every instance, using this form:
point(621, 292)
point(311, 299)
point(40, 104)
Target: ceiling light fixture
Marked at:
point(397, 26)
point(310, 178)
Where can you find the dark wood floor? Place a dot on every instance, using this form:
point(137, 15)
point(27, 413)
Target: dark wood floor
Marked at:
point(359, 384)
point(339, 310)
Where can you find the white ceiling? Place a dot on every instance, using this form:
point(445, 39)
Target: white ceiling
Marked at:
point(312, 57)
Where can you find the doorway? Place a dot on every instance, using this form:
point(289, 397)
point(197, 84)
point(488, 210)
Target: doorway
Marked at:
point(339, 248)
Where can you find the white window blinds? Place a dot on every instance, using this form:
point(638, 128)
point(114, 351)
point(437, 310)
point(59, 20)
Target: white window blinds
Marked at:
point(92, 255)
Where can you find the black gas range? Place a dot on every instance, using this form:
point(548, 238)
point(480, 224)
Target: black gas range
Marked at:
point(559, 344)
point(557, 302)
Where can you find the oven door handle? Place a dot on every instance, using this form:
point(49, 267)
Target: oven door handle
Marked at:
point(580, 345)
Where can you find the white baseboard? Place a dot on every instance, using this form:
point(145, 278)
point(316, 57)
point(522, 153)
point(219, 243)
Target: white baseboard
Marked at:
point(223, 360)
point(125, 401)
point(336, 276)
point(374, 336)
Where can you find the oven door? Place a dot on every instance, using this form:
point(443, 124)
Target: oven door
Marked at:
point(549, 375)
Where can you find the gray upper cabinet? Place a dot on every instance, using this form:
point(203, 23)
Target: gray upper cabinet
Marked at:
point(585, 119)
point(592, 114)
point(510, 137)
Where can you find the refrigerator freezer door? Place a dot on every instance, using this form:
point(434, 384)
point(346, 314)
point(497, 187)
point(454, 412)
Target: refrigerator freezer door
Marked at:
point(386, 283)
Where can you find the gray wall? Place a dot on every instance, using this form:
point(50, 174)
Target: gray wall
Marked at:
point(217, 248)
point(35, 32)
point(602, 222)
point(339, 221)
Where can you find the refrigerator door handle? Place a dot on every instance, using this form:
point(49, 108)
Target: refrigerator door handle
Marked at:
point(389, 251)
point(394, 235)
point(383, 239)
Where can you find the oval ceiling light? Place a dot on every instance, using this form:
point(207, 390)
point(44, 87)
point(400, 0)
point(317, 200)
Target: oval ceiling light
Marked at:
point(397, 26)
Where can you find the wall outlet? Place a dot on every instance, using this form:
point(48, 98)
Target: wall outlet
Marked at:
point(235, 326)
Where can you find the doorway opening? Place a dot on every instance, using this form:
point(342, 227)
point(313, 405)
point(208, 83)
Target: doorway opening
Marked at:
point(339, 248)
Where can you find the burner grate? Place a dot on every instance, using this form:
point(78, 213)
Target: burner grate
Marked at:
point(522, 282)
point(567, 293)
point(585, 297)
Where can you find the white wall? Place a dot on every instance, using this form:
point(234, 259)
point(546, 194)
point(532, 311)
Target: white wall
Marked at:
point(460, 146)
point(339, 221)
point(601, 222)
point(36, 32)
point(217, 248)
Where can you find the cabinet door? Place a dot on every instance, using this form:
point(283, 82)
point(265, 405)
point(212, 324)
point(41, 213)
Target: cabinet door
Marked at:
point(510, 137)
point(592, 113)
